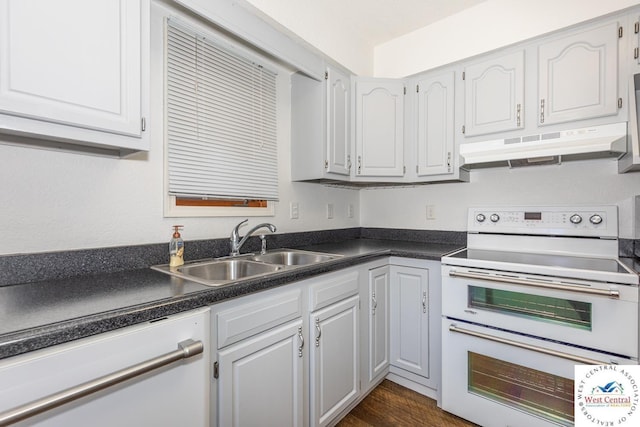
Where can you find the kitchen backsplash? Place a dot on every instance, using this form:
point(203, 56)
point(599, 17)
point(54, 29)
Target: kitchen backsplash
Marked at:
point(26, 268)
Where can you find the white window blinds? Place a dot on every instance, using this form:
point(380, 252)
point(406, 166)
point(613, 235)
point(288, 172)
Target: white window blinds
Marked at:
point(221, 121)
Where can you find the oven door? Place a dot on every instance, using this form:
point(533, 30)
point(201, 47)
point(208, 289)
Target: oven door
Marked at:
point(600, 316)
point(497, 378)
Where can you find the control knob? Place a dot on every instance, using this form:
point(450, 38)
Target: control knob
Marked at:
point(595, 219)
point(494, 218)
point(480, 218)
point(575, 219)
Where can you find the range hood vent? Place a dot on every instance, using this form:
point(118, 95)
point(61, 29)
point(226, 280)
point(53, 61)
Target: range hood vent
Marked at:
point(545, 148)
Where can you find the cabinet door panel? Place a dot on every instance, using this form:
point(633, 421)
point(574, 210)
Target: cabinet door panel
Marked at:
point(261, 380)
point(378, 321)
point(379, 128)
point(494, 95)
point(334, 363)
point(410, 319)
point(435, 112)
point(338, 132)
point(578, 76)
point(72, 62)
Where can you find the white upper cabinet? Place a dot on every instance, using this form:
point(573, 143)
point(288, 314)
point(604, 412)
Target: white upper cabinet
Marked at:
point(321, 127)
point(379, 128)
point(435, 125)
point(578, 76)
point(338, 120)
point(71, 70)
point(494, 95)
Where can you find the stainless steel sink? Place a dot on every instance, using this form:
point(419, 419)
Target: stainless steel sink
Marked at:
point(232, 269)
point(220, 271)
point(291, 257)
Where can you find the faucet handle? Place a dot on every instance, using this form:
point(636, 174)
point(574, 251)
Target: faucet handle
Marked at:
point(235, 233)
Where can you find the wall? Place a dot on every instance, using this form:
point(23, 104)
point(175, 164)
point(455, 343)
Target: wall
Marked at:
point(578, 182)
point(485, 27)
point(56, 200)
point(310, 21)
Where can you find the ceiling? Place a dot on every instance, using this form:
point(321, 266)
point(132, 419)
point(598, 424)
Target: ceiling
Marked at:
point(372, 21)
point(378, 21)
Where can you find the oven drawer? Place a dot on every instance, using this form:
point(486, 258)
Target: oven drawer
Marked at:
point(599, 316)
point(497, 378)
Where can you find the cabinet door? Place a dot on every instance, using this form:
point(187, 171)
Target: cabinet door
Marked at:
point(334, 363)
point(494, 95)
point(72, 62)
point(261, 379)
point(410, 319)
point(338, 131)
point(578, 77)
point(379, 128)
point(378, 321)
point(435, 117)
point(174, 395)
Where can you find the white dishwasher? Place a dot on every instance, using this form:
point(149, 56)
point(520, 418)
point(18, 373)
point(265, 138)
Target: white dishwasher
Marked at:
point(166, 362)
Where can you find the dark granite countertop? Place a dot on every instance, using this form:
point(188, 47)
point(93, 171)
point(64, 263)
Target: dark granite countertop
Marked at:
point(41, 314)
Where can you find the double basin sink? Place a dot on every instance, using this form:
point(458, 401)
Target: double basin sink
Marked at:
point(220, 271)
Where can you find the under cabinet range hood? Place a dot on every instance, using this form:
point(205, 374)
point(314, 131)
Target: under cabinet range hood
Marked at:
point(547, 148)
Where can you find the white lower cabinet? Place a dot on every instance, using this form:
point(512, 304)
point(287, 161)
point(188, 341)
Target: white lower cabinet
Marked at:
point(173, 395)
point(306, 353)
point(259, 360)
point(410, 319)
point(288, 356)
point(334, 332)
point(415, 324)
point(334, 363)
point(376, 325)
point(261, 379)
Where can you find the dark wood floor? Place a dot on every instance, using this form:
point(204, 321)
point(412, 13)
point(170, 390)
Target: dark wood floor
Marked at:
point(392, 405)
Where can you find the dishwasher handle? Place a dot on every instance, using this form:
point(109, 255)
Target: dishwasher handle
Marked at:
point(186, 349)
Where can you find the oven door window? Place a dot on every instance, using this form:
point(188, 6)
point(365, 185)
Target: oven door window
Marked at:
point(546, 395)
point(563, 311)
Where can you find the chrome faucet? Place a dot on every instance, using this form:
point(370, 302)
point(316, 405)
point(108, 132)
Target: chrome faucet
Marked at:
point(236, 242)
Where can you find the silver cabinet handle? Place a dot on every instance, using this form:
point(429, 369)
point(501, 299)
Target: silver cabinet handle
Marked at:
point(319, 334)
point(186, 349)
point(611, 293)
point(424, 301)
point(542, 111)
point(301, 338)
point(359, 165)
point(579, 359)
point(518, 109)
point(374, 303)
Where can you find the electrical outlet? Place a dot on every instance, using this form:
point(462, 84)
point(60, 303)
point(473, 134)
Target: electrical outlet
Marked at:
point(329, 210)
point(350, 211)
point(431, 212)
point(293, 210)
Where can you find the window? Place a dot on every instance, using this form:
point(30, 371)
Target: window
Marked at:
point(221, 127)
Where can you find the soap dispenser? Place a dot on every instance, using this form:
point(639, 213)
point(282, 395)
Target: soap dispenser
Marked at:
point(176, 248)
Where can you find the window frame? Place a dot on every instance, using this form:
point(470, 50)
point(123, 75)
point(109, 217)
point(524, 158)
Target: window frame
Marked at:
point(171, 208)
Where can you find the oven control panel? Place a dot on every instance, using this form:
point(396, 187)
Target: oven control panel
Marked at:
point(594, 221)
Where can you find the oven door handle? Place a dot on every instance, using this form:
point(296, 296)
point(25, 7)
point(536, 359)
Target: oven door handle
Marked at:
point(572, 357)
point(611, 293)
